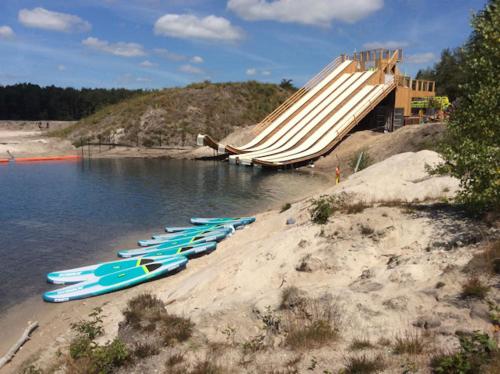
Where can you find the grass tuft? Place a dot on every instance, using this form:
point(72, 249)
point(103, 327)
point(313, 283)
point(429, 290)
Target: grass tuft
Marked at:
point(360, 344)
point(364, 365)
point(474, 288)
point(409, 343)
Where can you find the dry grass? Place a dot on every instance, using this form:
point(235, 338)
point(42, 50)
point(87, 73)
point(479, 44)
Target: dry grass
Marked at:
point(360, 344)
point(410, 342)
point(143, 350)
point(309, 322)
point(474, 288)
point(366, 230)
point(146, 313)
point(364, 365)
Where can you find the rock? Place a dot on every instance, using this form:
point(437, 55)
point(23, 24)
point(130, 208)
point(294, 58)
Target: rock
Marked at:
point(290, 221)
point(393, 262)
point(309, 264)
point(479, 310)
point(397, 303)
point(365, 286)
point(366, 274)
point(427, 322)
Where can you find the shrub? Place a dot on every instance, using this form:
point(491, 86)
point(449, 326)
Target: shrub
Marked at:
point(86, 356)
point(285, 207)
point(321, 209)
point(474, 288)
point(147, 313)
point(364, 365)
point(477, 352)
point(470, 151)
point(206, 367)
point(410, 343)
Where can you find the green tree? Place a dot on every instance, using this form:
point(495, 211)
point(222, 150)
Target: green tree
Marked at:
point(287, 84)
point(472, 149)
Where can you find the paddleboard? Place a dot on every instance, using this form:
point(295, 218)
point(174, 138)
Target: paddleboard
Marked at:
point(170, 245)
point(92, 272)
point(116, 281)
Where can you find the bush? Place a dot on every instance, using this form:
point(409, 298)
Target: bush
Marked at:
point(477, 351)
point(147, 313)
point(364, 365)
point(321, 209)
point(86, 356)
point(474, 288)
point(471, 151)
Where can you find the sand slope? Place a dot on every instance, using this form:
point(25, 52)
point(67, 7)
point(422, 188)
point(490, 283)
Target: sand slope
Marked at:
point(380, 266)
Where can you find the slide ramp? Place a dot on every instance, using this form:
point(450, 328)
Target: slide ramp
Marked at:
point(314, 118)
point(333, 130)
point(289, 110)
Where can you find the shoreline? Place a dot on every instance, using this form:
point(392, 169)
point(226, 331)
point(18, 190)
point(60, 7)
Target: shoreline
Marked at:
point(54, 319)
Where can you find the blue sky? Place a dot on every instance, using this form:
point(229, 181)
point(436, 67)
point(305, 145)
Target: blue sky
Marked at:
point(164, 43)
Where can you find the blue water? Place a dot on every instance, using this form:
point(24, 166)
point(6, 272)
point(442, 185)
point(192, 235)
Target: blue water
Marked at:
point(55, 216)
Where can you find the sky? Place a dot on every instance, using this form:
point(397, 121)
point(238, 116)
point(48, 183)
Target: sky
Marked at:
point(153, 44)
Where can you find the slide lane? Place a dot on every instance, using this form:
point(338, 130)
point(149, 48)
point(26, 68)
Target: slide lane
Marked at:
point(315, 120)
point(335, 128)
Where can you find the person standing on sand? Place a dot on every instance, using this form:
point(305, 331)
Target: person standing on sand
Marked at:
point(40, 125)
point(337, 175)
point(48, 125)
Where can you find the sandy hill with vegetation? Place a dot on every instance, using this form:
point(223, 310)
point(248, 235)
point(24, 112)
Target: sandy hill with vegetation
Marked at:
point(379, 274)
point(175, 116)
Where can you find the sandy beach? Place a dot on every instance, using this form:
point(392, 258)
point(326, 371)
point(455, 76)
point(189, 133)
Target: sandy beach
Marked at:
point(380, 265)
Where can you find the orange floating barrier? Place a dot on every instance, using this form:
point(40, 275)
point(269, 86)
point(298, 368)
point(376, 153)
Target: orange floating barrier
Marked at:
point(4, 160)
point(47, 158)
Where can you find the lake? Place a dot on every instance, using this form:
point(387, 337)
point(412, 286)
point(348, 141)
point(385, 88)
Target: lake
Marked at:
point(61, 215)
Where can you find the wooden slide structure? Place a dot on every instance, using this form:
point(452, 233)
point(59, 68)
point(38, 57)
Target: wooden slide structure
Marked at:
point(318, 116)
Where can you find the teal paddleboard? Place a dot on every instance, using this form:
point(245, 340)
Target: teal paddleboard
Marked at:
point(92, 272)
point(116, 281)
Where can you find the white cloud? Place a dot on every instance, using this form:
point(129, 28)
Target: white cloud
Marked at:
point(169, 55)
point(311, 12)
point(197, 60)
point(128, 79)
point(118, 49)
point(6, 32)
point(187, 26)
point(147, 64)
point(61, 67)
point(420, 58)
point(41, 18)
point(390, 44)
point(190, 69)
point(253, 71)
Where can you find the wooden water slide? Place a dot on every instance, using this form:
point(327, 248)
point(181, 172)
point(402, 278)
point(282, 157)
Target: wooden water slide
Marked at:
point(312, 123)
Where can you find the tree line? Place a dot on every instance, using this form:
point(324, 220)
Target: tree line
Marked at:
point(26, 101)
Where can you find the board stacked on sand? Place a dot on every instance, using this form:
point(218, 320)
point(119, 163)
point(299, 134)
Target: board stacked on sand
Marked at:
point(169, 254)
point(92, 272)
point(116, 281)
